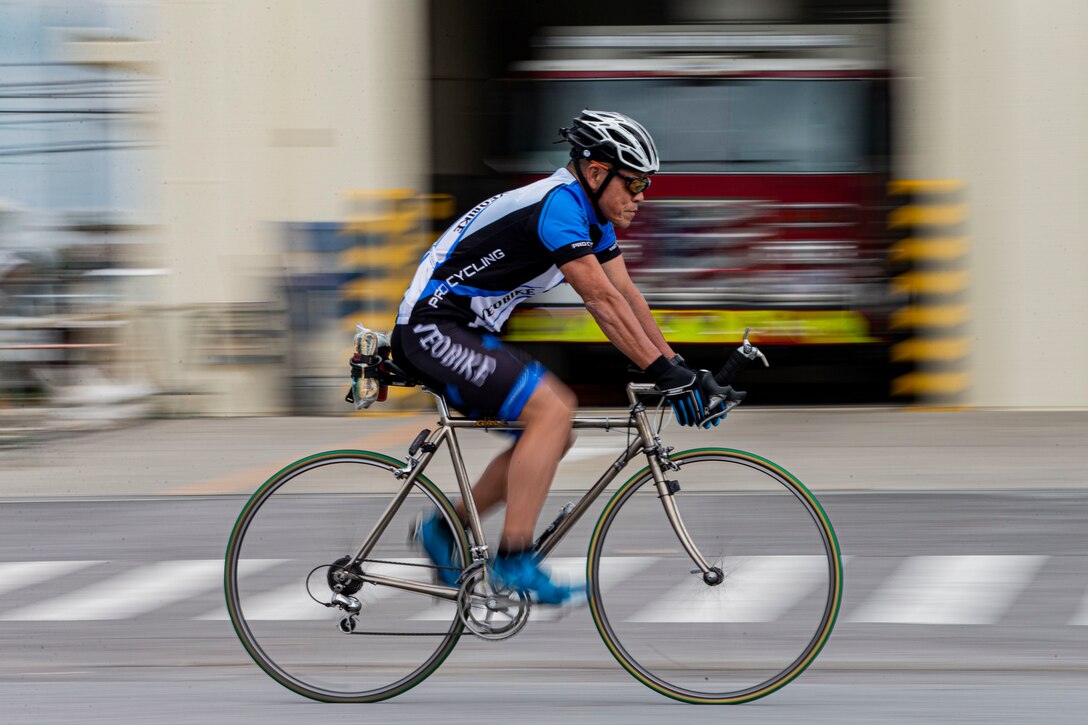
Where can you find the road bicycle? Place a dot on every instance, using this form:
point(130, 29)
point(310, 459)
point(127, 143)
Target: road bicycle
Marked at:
point(712, 575)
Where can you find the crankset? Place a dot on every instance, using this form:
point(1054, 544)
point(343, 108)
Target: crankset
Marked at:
point(488, 612)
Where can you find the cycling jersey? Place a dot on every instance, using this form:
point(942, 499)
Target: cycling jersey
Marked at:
point(505, 250)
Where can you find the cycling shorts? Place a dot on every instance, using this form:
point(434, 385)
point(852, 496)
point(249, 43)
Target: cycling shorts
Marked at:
point(479, 375)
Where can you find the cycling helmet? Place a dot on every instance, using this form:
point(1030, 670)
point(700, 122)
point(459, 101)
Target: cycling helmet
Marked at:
point(612, 137)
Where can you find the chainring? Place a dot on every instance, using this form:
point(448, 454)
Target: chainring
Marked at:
point(491, 613)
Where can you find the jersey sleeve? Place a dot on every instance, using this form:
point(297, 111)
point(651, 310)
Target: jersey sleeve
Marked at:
point(607, 247)
point(563, 227)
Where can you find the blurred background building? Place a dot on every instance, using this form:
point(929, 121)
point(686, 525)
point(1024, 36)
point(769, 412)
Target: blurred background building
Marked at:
point(199, 199)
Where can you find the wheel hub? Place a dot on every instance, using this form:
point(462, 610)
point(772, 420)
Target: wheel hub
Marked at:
point(713, 576)
point(343, 579)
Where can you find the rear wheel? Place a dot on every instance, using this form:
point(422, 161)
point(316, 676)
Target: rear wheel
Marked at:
point(286, 560)
point(723, 639)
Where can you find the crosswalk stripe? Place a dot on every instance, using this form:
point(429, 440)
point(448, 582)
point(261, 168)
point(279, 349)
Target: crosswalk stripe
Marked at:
point(566, 569)
point(949, 590)
point(1081, 617)
point(613, 570)
point(588, 453)
point(293, 602)
point(132, 593)
point(922, 590)
point(756, 589)
point(287, 603)
point(19, 574)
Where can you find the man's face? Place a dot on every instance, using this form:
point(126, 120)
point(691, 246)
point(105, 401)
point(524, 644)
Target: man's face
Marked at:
point(617, 203)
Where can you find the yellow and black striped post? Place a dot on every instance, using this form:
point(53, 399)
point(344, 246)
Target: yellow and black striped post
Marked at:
point(931, 220)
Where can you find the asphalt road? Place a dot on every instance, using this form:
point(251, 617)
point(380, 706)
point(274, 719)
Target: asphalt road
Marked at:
point(959, 607)
point(965, 538)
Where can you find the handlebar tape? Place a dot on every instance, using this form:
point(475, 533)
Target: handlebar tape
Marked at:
point(733, 366)
point(724, 392)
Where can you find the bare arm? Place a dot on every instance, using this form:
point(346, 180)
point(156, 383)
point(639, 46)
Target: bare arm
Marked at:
point(611, 310)
point(616, 271)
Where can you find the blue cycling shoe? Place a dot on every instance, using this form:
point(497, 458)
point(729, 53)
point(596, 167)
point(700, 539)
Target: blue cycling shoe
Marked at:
point(434, 537)
point(522, 573)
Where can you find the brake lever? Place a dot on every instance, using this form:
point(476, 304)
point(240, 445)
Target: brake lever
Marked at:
point(720, 394)
point(750, 351)
point(720, 414)
point(727, 394)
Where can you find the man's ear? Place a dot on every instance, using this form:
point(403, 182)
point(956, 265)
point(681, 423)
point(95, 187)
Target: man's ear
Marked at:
point(594, 176)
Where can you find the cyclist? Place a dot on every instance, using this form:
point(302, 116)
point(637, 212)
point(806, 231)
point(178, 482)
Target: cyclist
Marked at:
point(509, 248)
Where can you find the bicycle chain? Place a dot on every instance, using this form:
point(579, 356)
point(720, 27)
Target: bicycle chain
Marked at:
point(407, 634)
point(417, 634)
point(405, 563)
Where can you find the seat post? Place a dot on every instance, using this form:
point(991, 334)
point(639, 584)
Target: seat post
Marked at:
point(440, 401)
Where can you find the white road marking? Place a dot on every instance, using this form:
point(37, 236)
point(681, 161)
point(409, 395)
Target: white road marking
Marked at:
point(289, 602)
point(292, 602)
point(756, 589)
point(132, 593)
point(1081, 617)
point(572, 570)
point(923, 590)
point(19, 574)
point(564, 569)
point(949, 590)
point(587, 453)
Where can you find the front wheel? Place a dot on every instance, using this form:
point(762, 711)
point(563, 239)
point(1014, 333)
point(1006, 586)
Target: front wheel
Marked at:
point(284, 564)
point(715, 643)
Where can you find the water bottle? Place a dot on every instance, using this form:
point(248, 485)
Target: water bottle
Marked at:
point(369, 345)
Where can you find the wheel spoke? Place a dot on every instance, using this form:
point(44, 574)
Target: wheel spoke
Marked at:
point(750, 634)
point(312, 515)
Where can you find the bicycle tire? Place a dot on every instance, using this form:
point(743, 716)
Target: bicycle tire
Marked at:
point(756, 631)
point(297, 524)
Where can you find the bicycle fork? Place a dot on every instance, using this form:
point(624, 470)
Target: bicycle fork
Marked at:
point(666, 489)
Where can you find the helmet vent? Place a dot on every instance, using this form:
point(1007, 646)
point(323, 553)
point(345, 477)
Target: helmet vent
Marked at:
point(614, 137)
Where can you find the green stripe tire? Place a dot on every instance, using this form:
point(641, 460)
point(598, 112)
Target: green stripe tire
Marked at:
point(778, 599)
point(303, 519)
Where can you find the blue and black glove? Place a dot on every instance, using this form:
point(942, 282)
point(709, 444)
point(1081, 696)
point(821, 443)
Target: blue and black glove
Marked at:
point(688, 391)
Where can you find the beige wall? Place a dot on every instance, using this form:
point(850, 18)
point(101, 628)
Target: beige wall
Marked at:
point(271, 110)
point(993, 92)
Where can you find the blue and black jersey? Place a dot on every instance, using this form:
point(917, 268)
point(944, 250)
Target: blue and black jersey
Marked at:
point(505, 250)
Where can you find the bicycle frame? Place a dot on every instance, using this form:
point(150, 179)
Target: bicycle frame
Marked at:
point(647, 441)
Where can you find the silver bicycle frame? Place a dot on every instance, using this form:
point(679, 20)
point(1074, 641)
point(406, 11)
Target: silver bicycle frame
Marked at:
point(646, 442)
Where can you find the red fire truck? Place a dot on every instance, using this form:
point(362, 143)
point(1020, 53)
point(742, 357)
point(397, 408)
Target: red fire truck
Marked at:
point(770, 207)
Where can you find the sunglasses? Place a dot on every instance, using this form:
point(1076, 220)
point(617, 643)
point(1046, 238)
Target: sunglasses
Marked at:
point(634, 184)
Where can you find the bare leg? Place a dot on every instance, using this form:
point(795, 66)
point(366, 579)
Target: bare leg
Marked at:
point(547, 418)
point(490, 489)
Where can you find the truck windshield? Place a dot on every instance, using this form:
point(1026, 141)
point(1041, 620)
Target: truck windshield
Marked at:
point(718, 125)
